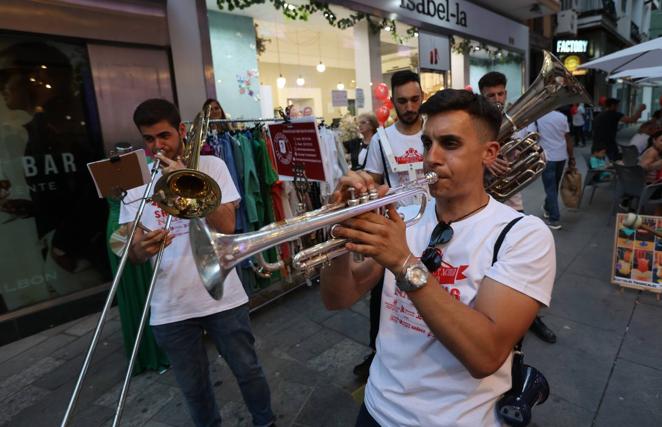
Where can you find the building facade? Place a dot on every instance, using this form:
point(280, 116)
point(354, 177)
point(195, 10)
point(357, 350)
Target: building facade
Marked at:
point(73, 72)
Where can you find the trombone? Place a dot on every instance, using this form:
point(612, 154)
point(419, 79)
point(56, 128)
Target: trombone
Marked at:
point(185, 193)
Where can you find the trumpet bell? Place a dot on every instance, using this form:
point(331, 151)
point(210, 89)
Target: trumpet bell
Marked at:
point(187, 193)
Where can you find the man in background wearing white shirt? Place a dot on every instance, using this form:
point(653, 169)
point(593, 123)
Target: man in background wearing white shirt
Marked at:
point(404, 136)
point(555, 140)
point(493, 87)
point(404, 140)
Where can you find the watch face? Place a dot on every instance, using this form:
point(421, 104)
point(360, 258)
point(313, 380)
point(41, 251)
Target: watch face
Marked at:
point(417, 276)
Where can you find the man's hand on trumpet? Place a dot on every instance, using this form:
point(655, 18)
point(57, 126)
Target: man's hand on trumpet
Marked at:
point(383, 238)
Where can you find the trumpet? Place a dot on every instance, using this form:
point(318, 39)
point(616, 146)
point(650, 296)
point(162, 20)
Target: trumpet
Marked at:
point(216, 254)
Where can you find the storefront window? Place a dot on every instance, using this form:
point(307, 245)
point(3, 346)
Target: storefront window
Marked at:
point(51, 220)
point(263, 62)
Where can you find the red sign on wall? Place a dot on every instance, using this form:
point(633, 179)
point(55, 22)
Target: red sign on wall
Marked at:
point(297, 144)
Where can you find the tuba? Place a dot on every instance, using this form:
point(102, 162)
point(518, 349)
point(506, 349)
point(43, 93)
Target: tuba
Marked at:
point(554, 87)
point(189, 193)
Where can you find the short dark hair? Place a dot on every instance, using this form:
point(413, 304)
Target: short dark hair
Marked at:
point(475, 105)
point(611, 102)
point(656, 134)
point(404, 76)
point(491, 79)
point(656, 114)
point(154, 110)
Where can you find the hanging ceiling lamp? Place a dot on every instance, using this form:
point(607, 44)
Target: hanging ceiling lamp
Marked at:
point(320, 67)
point(280, 81)
point(300, 80)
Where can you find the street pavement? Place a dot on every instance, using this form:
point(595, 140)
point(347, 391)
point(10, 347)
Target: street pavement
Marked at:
point(605, 369)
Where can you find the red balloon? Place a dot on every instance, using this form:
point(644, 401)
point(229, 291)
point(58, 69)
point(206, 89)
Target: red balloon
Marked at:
point(660, 100)
point(382, 114)
point(381, 91)
point(389, 104)
point(602, 100)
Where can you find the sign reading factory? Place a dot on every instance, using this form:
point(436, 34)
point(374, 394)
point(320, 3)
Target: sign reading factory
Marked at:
point(443, 10)
point(571, 46)
point(573, 53)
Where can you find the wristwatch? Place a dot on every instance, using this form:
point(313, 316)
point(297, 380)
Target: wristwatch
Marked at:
point(413, 277)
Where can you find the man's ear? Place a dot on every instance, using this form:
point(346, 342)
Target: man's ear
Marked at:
point(182, 130)
point(491, 152)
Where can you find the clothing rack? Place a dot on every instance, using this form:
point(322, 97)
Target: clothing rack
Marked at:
point(260, 120)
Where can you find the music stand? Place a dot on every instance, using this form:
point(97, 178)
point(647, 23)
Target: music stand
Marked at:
point(119, 173)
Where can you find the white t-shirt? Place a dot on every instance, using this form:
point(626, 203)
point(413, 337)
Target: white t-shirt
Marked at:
point(640, 140)
point(179, 293)
point(578, 117)
point(414, 380)
point(552, 128)
point(406, 149)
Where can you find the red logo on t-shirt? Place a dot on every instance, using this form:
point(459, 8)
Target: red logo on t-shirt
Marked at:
point(409, 156)
point(448, 275)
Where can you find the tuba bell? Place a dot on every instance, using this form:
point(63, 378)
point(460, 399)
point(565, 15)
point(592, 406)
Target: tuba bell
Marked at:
point(554, 87)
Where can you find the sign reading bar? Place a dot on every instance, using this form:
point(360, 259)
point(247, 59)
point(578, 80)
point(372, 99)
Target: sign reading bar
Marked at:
point(297, 144)
point(571, 46)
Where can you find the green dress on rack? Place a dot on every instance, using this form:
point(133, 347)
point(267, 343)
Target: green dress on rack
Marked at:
point(131, 295)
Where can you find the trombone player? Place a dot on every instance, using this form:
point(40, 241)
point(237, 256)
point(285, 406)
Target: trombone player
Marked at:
point(181, 309)
point(450, 319)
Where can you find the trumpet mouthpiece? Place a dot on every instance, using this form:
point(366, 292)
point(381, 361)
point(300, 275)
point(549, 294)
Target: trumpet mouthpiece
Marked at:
point(431, 177)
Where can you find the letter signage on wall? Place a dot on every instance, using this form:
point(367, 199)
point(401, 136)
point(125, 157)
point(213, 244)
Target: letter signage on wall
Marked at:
point(571, 46)
point(458, 16)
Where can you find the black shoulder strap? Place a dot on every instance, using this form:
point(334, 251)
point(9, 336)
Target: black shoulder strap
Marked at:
point(365, 159)
point(381, 151)
point(502, 235)
point(497, 246)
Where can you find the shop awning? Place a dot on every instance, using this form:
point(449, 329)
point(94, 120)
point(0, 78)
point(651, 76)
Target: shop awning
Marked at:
point(639, 73)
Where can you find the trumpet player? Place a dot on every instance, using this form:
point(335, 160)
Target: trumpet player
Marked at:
point(450, 314)
point(181, 310)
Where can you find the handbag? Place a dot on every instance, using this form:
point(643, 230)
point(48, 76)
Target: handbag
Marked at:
point(571, 188)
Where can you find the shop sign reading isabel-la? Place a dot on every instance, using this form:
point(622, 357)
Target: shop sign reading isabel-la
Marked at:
point(458, 16)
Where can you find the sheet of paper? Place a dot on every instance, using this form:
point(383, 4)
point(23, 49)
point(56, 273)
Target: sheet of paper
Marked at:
point(113, 176)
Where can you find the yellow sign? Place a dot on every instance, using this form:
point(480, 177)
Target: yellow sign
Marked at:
point(571, 62)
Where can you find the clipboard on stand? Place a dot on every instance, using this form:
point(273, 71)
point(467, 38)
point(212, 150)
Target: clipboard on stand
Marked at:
point(119, 173)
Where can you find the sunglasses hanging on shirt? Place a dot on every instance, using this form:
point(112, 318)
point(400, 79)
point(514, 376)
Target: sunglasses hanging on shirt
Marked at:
point(443, 233)
point(432, 256)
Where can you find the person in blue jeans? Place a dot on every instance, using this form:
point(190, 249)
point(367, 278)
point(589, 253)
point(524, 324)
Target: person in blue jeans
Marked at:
point(181, 309)
point(556, 142)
